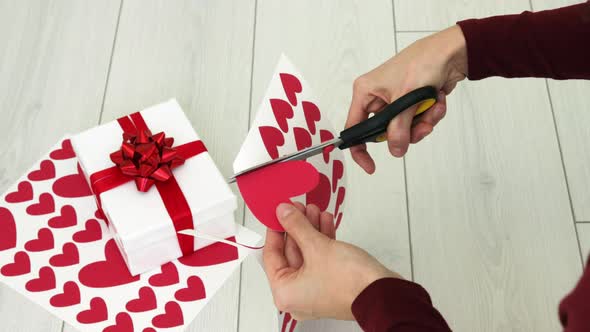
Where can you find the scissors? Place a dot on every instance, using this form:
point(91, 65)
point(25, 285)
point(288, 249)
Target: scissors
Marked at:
point(372, 130)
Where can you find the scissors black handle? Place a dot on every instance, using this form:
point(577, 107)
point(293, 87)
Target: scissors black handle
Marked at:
point(374, 129)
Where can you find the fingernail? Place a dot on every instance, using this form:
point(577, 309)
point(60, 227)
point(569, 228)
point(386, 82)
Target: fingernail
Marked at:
point(397, 152)
point(284, 210)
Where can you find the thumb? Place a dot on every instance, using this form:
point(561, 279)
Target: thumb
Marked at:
point(296, 224)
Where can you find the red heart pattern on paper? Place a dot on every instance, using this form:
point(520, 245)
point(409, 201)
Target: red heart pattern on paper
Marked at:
point(45, 205)
point(149, 329)
point(66, 151)
point(214, 254)
point(68, 257)
point(20, 266)
point(325, 136)
point(44, 241)
point(67, 218)
point(73, 185)
point(302, 138)
point(7, 230)
point(194, 291)
point(90, 233)
point(97, 313)
point(338, 220)
point(24, 193)
point(292, 87)
point(145, 302)
point(170, 318)
point(339, 199)
point(264, 189)
point(282, 111)
point(45, 282)
point(320, 195)
point(108, 273)
point(312, 115)
point(168, 276)
point(272, 139)
point(337, 173)
point(69, 297)
point(45, 172)
point(123, 324)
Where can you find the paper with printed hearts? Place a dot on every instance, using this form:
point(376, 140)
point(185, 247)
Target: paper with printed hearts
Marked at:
point(290, 119)
point(56, 250)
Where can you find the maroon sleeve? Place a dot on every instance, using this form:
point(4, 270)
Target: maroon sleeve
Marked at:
point(574, 310)
point(552, 43)
point(392, 304)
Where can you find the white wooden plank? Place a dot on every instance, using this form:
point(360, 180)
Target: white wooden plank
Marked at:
point(429, 15)
point(54, 60)
point(584, 237)
point(331, 46)
point(198, 52)
point(550, 4)
point(489, 207)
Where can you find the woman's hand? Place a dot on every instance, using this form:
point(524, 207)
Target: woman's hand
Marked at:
point(310, 273)
point(439, 60)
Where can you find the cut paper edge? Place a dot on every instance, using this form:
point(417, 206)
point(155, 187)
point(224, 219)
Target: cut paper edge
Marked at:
point(204, 236)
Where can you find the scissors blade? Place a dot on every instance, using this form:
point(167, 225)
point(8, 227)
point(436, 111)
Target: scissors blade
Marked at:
point(299, 155)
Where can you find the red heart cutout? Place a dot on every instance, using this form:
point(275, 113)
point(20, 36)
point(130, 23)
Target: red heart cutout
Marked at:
point(168, 276)
point(272, 139)
point(302, 138)
point(214, 254)
point(170, 318)
point(97, 312)
point(124, 324)
point(339, 199)
point(67, 218)
point(46, 172)
point(21, 265)
point(90, 233)
point(69, 297)
point(195, 290)
point(286, 319)
point(312, 115)
point(46, 205)
point(108, 273)
point(282, 111)
point(149, 329)
point(73, 185)
point(292, 87)
point(23, 194)
point(69, 256)
point(45, 282)
point(66, 151)
point(320, 195)
point(264, 189)
point(145, 302)
point(337, 173)
point(44, 241)
point(338, 220)
point(325, 136)
point(8, 227)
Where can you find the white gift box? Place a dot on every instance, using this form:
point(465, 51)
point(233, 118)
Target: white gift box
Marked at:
point(139, 221)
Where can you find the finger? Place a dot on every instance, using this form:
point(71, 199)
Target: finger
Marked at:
point(327, 225)
point(297, 225)
point(312, 212)
point(398, 132)
point(272, 253)
point(362, 157)
point(300, 206)
point(419, 131)
point(375, 105)
point(292, 251)
point(424, 124)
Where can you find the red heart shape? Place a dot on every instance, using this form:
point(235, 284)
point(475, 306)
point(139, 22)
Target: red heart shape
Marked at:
point(264, 189)
point(312, 115)
point(339, 199)
point(44, 241)
point(73, 185)
point(337, 173)
point(46, 172)
point(69, 297)
point(90, 233)
point(149, 329)
point(214, 254)
point(272, 139)
point(108, 273)
point(8, 227)
point(66, 151)
point(46, 205)
point(195, 290)
point(67, 218)
point(97, 313)
point(45, 282)
point(292, 87)
point(320, 195)
point(170, 318)
point(69, 256)
point(168, 276)
point(21, 265)
point(282, 111)
point(338, 220)
point(145, 302)
point(123, 324)
point(23, 194)
point(302, 138)
point(325, 136)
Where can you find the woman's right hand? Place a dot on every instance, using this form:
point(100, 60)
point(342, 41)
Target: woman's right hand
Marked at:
point(439, 60)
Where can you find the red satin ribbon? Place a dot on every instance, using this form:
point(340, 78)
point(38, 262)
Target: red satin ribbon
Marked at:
point(169, 190)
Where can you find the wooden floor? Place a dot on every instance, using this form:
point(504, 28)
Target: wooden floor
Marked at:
point(491, 213)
